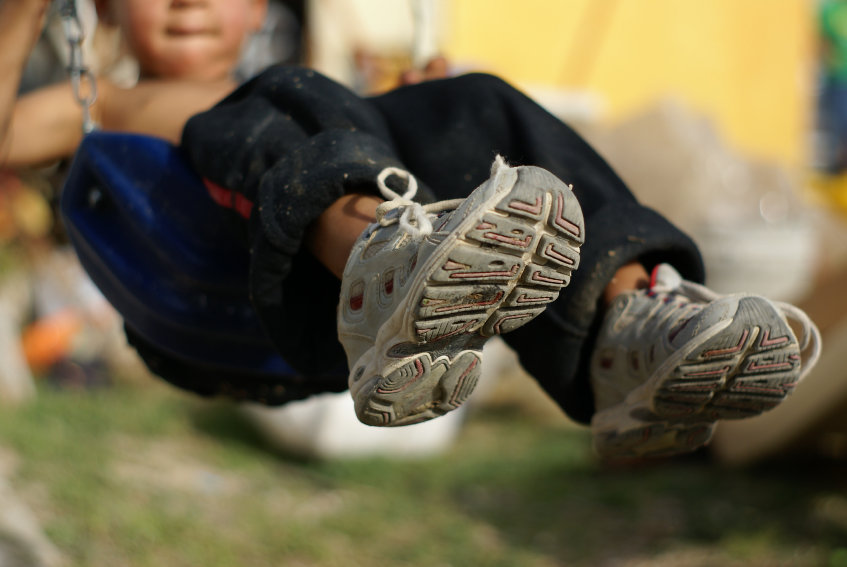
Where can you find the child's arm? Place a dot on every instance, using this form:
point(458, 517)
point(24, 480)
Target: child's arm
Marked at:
point(158, 108)
point(20, 26)
point(47, 123)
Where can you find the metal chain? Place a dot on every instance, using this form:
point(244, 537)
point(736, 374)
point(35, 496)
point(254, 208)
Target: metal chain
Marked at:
point(421, 24)
point(80, 75)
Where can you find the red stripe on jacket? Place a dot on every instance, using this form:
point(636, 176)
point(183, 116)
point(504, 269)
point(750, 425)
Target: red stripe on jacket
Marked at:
point(229, 199)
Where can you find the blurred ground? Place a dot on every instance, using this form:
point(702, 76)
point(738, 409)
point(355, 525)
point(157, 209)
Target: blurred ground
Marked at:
point(139, 474)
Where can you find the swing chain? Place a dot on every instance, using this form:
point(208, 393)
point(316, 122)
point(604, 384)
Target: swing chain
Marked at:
point(79, 73)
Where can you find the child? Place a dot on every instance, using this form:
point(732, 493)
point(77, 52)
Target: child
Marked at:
point(196, 43)
point(186, 54)
point(652, 361)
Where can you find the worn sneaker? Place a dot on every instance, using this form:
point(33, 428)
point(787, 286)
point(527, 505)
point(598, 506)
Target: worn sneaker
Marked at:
point(673, 359)
point(426, 286)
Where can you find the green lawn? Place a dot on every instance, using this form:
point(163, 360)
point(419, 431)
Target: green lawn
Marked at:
point(142, 475)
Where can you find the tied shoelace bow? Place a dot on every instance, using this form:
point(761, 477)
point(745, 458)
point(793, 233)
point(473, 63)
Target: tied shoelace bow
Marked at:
point(693, 291)
point(413, 217)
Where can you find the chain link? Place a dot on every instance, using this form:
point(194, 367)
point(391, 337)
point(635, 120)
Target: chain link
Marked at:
point(83, 82)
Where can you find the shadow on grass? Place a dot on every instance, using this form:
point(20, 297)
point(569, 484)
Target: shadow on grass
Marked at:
point(222, 420)
point(542, 492)
point(579, 511)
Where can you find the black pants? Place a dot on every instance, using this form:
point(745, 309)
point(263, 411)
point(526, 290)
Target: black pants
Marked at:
point(290, 142)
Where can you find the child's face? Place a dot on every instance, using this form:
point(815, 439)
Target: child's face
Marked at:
point(187, 39)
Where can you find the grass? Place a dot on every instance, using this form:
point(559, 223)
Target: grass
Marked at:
point(144, 475)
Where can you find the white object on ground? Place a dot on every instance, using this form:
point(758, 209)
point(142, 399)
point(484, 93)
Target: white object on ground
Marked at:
point(326, 427)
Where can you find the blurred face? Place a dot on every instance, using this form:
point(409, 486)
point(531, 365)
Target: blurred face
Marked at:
point(185, 39)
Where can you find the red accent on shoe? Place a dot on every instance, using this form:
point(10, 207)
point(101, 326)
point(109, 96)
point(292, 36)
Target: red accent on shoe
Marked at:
point(729, 350)
point(654, 274)
point(534, 208)
point(523, 298)
point(560, 219)
point(481, 303)
point(481, 275)
point(497, 237)
point(450, 265)
point(538, 277)
point(766, 341)
point(678, 329)
point(551, 252)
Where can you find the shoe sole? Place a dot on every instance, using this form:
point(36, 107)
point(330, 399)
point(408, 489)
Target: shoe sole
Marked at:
point(500, 268)
point(741, 370)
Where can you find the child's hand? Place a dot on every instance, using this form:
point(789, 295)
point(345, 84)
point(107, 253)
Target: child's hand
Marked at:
point(26, 15)
point(436, 68)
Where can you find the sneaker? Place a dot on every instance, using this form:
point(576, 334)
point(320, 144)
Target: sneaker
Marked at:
point(673, 359)
point(426, 286)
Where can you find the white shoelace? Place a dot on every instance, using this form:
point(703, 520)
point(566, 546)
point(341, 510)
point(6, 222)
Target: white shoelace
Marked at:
point(414, 219)
point(811, 336)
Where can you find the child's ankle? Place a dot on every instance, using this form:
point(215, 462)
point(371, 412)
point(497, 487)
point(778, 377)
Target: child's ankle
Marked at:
point(333, 234)
point(629, 277)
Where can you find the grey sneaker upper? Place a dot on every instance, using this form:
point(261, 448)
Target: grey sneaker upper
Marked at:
point(377, 275)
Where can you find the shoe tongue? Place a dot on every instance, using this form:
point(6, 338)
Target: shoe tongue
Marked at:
point(665, 278)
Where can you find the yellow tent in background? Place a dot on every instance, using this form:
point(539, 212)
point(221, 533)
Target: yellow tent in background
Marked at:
point(747, 64)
